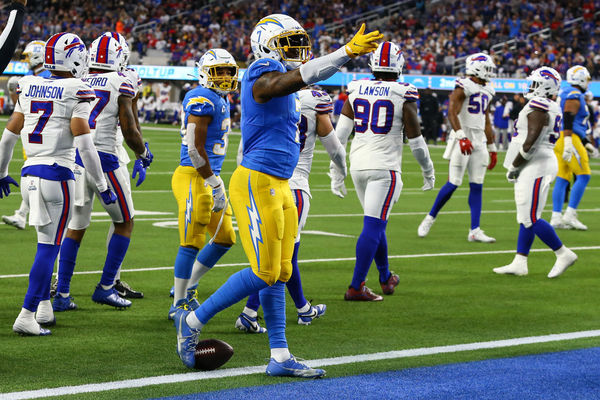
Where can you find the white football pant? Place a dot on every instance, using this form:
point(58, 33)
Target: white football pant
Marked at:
point(532, 187)
point(475, 163)
point(51, 207)
point(378, 190)
point(302, 200)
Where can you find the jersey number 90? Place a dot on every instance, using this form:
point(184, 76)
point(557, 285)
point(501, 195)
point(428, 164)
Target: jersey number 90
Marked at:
point(379, 117)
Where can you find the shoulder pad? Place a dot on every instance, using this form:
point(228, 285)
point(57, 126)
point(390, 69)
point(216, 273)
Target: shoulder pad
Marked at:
point(352, 86)
point(573, 94)
point(262, 66)
point(406, 90)
point(540, 103)
point(200, 104)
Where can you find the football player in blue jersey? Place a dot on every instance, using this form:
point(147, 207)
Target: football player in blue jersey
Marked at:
point(197, 186)
point(572, 150)
point(34, 56)
point(260, 194)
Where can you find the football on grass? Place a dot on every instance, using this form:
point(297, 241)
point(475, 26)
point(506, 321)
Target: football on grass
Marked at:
point(212, 353)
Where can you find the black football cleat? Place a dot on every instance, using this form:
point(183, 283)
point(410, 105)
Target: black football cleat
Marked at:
point(126, 291)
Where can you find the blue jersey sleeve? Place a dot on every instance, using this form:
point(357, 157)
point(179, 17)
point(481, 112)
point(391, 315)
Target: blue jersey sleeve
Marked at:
point(200, 105)
point(573, 95)
point(263, 66)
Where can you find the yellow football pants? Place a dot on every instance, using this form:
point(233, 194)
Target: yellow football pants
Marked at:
point(267, 221)
point(194, 201)
point(580, 162)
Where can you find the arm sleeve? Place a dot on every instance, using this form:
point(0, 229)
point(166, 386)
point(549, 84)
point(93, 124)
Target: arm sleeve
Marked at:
point(91, 161)
point(7, 144)
point(11, 34)
point(421, 153)
point(81, 110)
point(324, 67)
point(343, 129)
point(334, 148)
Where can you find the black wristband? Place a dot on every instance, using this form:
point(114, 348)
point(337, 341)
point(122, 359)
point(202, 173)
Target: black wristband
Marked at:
point(568, 119)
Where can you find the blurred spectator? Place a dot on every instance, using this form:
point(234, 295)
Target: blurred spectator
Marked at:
point(501, 120)
point(429, 107)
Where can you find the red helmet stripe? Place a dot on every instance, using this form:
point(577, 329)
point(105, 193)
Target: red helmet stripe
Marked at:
point(49, 57)
point(384, 59)
point(102, 52)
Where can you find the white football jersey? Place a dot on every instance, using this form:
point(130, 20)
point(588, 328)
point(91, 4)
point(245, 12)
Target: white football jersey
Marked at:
point(135, 79)
point(472, 112)
point(544, 145)
point(48, 105)
point(105, 112)
point(164, 92)
point(378, 124)
point(312, 102)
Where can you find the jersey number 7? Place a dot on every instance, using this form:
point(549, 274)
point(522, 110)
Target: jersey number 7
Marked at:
point(46, 107)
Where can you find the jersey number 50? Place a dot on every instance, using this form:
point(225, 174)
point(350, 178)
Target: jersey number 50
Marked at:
point(367, 116)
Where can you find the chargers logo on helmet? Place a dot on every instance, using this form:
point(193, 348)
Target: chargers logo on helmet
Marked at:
point(579, 76)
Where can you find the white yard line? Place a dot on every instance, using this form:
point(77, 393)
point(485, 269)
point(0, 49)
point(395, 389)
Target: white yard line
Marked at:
point(319, 260)
point(323, 362)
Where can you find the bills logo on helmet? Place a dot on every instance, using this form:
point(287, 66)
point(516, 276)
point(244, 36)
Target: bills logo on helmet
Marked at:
point(479, 58)
point(548, 75)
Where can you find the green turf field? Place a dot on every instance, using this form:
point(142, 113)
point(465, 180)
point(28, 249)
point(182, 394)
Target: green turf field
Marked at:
point(444, 298)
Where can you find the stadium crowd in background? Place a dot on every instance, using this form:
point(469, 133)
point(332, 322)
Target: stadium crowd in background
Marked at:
point(432, 35)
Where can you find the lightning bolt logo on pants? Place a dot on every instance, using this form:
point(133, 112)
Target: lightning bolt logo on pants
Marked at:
point(188, 210)
point(255, 223)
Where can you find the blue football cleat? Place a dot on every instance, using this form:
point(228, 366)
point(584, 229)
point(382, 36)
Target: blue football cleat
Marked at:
point(109, 297)
point(306, 318)
point(187, 338)
point(249, 324)
point(63, 303)
point(180, 304)
point(192, 299)
point(291, 367)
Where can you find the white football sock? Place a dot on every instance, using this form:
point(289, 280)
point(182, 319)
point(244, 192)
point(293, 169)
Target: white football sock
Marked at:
point(193, 321)
point(250, 312)
point(280, 354)
point(305, 308)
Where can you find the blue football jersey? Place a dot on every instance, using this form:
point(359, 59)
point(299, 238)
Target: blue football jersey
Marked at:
point(269, 130)
point(580, 124)
point(201, 101)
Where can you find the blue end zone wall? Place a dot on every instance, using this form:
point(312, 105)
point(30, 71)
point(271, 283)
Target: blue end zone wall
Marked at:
point(573, 375)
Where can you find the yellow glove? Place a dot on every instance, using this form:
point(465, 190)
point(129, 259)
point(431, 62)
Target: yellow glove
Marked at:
point(363, 44)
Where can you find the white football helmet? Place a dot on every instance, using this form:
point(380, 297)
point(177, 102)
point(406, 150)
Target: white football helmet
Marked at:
point(218, 70)
point(579, 76)
point(281, 38)
point(480, 65)
point(34, 53)
point(387, 58)
point(106, 53)
point(126, 52)
point(543, 82)
point(65, 52)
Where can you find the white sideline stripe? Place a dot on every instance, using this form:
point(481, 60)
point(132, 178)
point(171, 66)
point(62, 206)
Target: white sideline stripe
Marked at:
point(317, 260)
point(322, 362)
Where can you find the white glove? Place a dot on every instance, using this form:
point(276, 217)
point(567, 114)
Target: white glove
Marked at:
point(568, 149)
point(337, 181)
point(218, 192)
point(428, 180)
point(512, 174)
point(592, 151)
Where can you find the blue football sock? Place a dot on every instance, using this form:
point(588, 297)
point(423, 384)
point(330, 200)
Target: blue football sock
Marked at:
point(475, 195)
point(443, 196)
point(381, 259)
point(238, 286)
point(558, 194)
point(526, 236)
point(294, 285)
point(211, 254)
point(547, 234)
point(366, 246)
point(117, 247)
point(40, 275)
point(66, 264)
point(578, 189)
point(184, 262)
point(272, 299)
point(253, 301)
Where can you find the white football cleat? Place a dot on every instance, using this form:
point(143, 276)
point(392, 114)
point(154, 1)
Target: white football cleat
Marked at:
point(557, 221)
point(477, 235)
point(425, 226)
point(571, 221)
point(29, 327)
point(45, 313)
point(563, 261)
point(17, 220)
point(516, 267)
